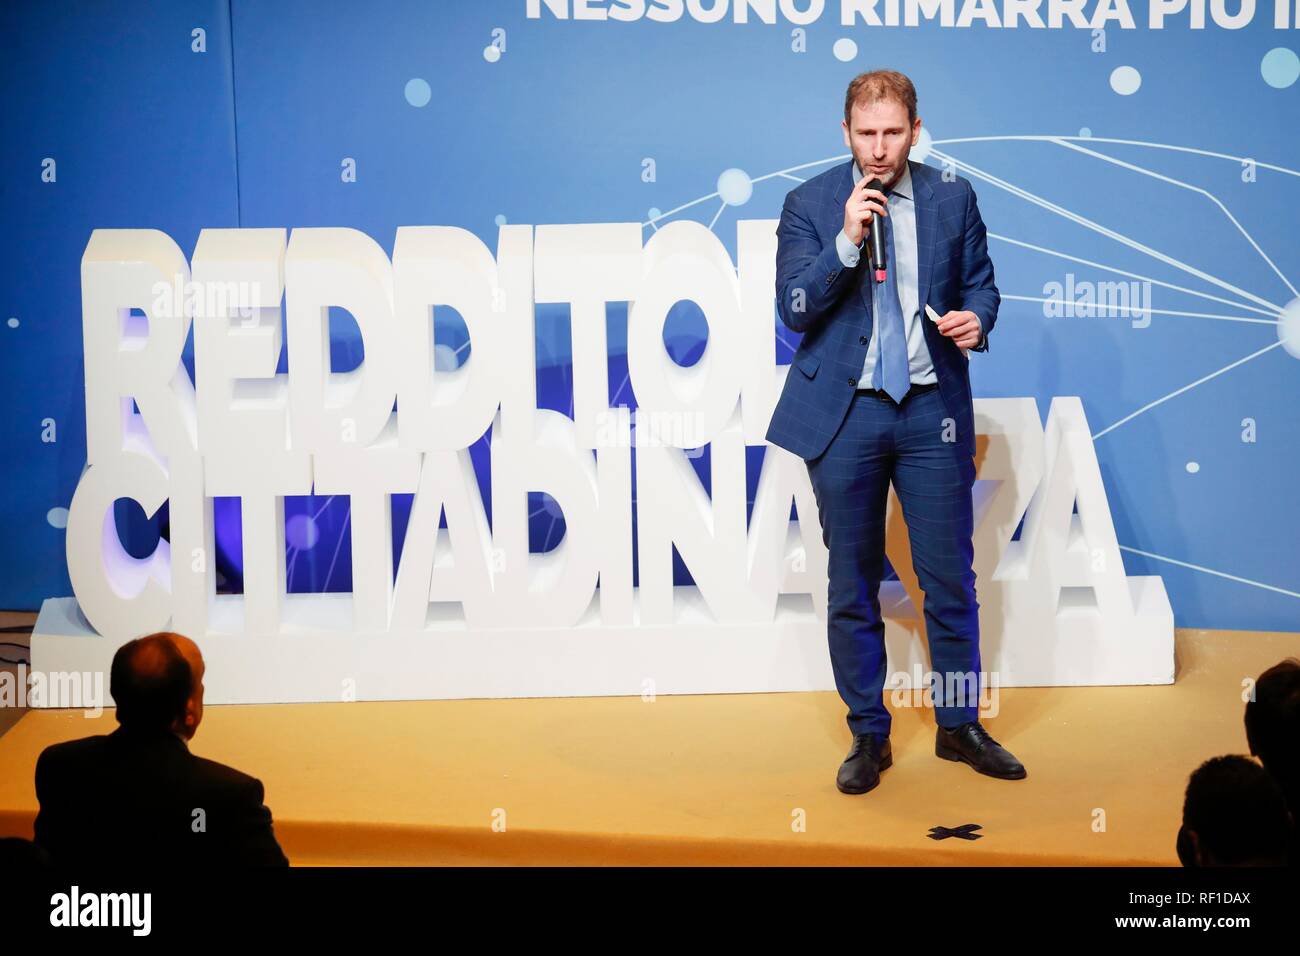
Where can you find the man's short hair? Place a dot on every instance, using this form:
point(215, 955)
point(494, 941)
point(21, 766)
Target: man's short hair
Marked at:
point(1237, 812)
point(1273, 717)
point(868, 88)
point(151, 682)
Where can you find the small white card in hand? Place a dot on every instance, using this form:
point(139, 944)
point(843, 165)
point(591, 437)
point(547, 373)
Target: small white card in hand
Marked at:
point(934, 317)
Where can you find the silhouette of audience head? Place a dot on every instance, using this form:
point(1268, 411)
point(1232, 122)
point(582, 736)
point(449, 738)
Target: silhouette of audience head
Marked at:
point(1273, 721)
point(1233, 815)
point(157, 684)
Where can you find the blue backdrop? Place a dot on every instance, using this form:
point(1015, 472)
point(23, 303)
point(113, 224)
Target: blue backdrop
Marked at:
point(1123, 155)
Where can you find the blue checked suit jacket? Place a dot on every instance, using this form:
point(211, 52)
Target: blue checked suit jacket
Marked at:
point(831, 304)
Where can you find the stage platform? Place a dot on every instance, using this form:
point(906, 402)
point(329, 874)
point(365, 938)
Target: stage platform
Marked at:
point(730, 779)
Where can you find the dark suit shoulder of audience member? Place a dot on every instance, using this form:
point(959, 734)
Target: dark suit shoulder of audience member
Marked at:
point(138, 796)
point(21, 858)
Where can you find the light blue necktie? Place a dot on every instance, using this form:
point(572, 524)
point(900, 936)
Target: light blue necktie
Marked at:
point(891, 373)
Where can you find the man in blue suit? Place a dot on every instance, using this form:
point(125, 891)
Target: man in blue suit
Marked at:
point(879, 393)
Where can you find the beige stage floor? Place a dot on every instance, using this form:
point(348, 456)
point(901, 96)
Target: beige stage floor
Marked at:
point(727, 779)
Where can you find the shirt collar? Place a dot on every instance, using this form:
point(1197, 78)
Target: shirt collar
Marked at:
point(902, 188)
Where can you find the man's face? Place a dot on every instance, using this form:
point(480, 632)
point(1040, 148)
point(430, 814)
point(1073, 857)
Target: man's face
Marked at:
point(881, 138)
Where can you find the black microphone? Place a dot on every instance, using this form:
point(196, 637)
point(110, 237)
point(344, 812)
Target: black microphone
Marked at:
point(877, 237)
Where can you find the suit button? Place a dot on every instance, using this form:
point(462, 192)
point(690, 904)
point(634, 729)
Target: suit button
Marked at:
point(862, 340)
point(853, 381)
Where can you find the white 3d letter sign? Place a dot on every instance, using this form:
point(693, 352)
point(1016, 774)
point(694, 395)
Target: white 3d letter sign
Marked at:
point(468, 610)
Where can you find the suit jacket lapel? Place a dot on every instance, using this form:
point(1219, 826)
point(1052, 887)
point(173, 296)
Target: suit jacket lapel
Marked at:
point(843, 186)
point(835, 215)
point(927, 219)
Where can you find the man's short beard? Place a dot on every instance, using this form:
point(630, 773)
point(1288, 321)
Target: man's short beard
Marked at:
point(866, 171)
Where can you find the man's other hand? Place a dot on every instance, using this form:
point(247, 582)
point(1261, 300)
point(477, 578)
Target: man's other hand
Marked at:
point(962, 327)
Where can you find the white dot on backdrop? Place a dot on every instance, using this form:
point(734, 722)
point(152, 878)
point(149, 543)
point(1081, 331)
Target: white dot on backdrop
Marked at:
point(1125, 80)
point(921, 151)
point(735, 187)
point(653, 213)
point(491, 53)
point(1280, 67)
point(500, 219)
point(13, 322)
point(418, 92)
point(57, 517)
point(1085, 132)
point(1288, 328)
point(1193, 467)
point(844, 49)
point(302, 532)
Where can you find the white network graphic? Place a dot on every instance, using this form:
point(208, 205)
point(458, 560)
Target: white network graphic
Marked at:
point(735, 188)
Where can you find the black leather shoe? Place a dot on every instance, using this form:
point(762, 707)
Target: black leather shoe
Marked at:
point(971, 743)
point(860, 771)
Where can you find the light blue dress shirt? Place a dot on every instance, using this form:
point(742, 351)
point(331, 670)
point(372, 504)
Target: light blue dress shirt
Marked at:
point(903, 212)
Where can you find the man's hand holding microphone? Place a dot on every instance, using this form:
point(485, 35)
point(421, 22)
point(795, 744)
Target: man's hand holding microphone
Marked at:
point(865, 202)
